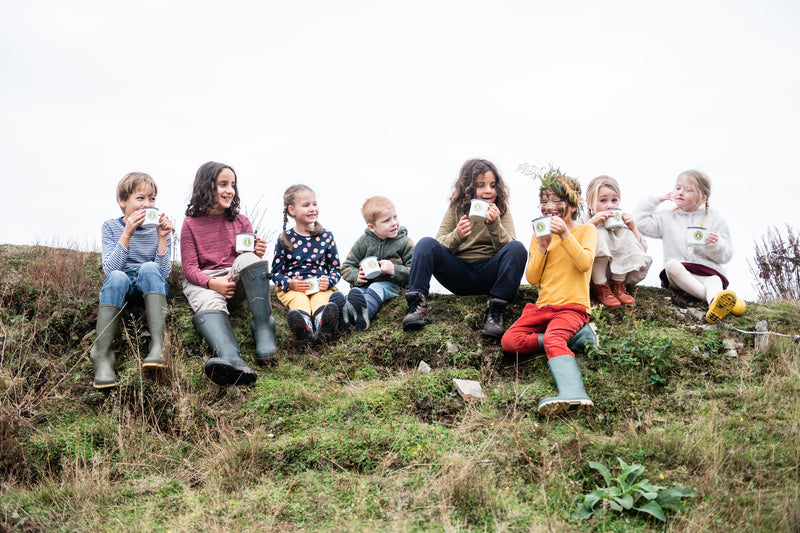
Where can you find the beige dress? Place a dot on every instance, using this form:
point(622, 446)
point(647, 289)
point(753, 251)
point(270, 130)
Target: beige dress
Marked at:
point(626, 256)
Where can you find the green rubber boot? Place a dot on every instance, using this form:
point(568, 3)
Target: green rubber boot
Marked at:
point(572, 397)
point(578, 342)
point(155, 306)
point(103, 357)
point(256, 278)
point(225, 367)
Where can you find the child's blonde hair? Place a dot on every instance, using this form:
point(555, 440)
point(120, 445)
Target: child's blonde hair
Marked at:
point(132, 181)
point(289, 197)
point(594, 187)
point(703, 183)
point(373, 207)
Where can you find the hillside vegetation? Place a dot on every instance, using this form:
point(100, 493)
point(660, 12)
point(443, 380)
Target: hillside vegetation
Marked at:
point(350, 437)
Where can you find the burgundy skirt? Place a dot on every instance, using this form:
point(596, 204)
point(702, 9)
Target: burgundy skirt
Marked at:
point(699, 270)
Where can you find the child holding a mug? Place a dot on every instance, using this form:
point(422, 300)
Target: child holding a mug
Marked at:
point(306, 268)
point(377, 266)
point(218, 276)
point(621, 251)
point(691, 264)
point(471, 254)
point(561, 264)
point(137, 262)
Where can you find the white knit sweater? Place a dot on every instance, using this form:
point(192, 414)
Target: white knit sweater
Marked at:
point(670, 226)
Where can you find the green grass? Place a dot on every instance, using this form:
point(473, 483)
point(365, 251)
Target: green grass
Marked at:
point(349, 437)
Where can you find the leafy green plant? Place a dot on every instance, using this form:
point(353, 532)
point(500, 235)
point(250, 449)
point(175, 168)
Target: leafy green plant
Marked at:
point(625, 493)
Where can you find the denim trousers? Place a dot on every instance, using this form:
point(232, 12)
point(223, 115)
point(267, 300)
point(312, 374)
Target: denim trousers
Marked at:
point(120, 287)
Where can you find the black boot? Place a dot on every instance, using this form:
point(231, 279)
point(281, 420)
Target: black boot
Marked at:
point(226, 367)
point(255, 279)
point(417, 312)
point(346, 317)
point(326, 320)
point(493, 318)
point(300, 325)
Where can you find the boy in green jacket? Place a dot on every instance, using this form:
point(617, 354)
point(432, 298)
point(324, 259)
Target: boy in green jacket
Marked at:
point(376, 267)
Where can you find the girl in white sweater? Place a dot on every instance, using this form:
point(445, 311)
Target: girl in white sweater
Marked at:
point(696, 244)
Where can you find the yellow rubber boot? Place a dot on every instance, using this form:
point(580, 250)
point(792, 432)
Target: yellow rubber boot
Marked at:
point(722, 304)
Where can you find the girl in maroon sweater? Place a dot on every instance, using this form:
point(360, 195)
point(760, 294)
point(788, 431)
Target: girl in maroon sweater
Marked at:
point(217, 277)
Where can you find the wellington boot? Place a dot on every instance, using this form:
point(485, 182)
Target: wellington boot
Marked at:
point(300, 325)
point(739, 308)
point(572, 396)
point(584, 336)
point(621, 293)
point(722, 304)
point(417, 311)
point(493, 318)
point(256, 278)
point(103, 357)
point(155, 306)
point(326, 321)
point(605, 296)
point(226, 367)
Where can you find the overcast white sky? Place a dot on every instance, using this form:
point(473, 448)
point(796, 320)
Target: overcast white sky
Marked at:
point(364, 98)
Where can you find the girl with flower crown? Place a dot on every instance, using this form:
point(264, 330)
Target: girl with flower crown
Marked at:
point(561, 264)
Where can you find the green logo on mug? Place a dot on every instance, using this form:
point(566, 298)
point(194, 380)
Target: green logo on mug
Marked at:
point(540, 226)
point(698, 235)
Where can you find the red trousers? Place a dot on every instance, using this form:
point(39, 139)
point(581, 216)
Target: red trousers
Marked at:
point(558, 323)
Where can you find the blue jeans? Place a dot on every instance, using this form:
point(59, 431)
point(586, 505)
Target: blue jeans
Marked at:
point(386, 290)
point(122, 286)
point(498, 276)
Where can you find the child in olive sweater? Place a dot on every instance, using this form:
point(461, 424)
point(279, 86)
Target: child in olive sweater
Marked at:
point(387, 241)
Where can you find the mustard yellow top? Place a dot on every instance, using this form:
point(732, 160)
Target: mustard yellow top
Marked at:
point(564, 272)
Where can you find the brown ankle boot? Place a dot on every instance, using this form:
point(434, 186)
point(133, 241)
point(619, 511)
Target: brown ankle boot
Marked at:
point(605, 296)
point(618, 288)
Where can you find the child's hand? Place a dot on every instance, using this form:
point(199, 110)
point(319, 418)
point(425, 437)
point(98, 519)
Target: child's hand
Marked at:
point(261, 247)
point(387, 267)
point(666, 197)
point(299, 285)
point(599, 218)
point(324, 283)
point(712, 237)
point(464, 227)
point(559, 227)
point(225, 286)
point(362, 279)
point(164, 226)
point(543, 242)
point(134, 220)
point(627, 218)
point(492, 214)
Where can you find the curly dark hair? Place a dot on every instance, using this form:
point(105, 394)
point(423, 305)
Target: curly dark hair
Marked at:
point(204, 191)
point(464, 187)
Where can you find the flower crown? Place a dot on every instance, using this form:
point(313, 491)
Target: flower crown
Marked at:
point(555, 180)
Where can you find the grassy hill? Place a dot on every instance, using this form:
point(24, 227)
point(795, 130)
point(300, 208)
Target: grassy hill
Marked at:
point(348, 436)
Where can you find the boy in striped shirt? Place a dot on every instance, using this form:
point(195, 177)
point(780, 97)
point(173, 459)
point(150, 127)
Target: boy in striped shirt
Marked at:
point(136, 261)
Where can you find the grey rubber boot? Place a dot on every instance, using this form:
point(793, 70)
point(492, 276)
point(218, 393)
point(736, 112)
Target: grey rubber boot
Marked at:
point(225, 367)
point(572, 397)
point(155, 306)
point(357, 298)
point(493, 318)
point(578, 341)
point(103, 357)
point(255, 279)
point(346, 316)
point(417, 311)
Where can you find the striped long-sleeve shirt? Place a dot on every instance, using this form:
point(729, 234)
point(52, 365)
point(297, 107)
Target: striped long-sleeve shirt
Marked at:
point(142, 248)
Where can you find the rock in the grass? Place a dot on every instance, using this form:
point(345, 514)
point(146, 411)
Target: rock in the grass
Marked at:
point(423, 368)
point(763, 337)
point(730, 348)
point(452, 348)
point(469, 389)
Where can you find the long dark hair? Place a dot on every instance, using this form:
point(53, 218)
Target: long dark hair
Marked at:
point(204, 191)
point(464, 187)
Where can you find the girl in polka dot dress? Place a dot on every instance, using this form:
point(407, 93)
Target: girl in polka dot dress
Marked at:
point(306, 268)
